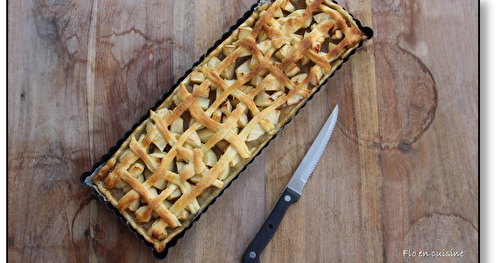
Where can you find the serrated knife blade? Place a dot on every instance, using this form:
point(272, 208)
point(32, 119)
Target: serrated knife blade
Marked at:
point(292, 192)
point(312, 157)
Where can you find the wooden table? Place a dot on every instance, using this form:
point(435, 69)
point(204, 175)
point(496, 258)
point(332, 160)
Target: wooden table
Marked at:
point(399, 177)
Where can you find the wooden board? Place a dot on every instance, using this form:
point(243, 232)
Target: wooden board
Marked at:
point(399, 178)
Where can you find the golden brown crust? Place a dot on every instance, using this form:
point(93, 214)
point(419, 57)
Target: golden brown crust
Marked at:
point(223, 113)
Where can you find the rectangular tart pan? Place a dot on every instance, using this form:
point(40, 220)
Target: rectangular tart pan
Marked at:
point(86, 177)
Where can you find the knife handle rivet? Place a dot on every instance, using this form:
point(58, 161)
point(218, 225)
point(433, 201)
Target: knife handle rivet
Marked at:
point(287, 198)
point(252, 254)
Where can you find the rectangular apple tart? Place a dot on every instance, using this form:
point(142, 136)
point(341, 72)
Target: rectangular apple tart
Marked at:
point(223, 112)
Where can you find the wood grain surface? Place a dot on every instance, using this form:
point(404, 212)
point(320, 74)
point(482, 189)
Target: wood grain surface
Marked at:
point(399, 178)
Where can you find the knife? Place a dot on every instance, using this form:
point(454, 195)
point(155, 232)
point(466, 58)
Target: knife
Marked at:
point(292, 192)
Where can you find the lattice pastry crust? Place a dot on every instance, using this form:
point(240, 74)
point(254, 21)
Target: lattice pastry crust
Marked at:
point(223, 113)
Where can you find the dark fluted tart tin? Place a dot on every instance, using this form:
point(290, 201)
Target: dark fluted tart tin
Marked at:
point(86, 177)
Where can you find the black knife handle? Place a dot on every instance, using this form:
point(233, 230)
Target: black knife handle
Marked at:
point(267, 230)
